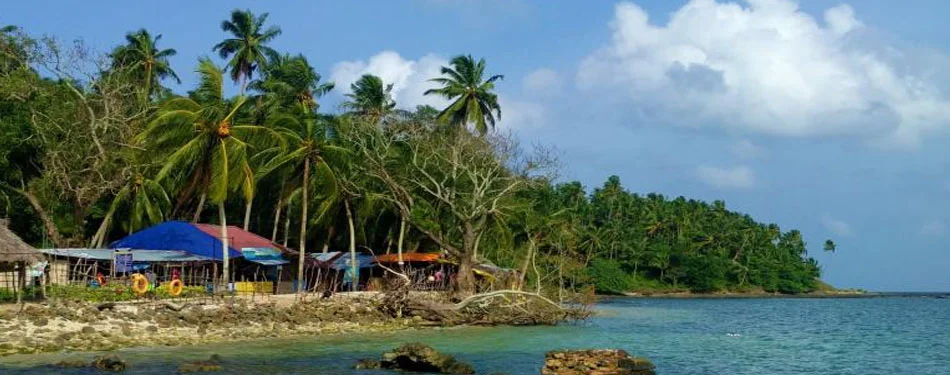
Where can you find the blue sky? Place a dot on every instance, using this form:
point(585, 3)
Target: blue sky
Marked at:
point(819, 115)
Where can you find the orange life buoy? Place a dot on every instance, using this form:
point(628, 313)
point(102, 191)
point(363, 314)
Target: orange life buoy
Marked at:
point(139, 284)
point(175, 287)
point(101, 279)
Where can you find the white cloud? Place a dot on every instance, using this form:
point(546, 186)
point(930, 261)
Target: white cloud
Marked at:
point(836, 226)
point(767, 67)
point(542, 82)
point(521, 114)
point(745, 149)
point(933, 228)
point(739, 177)
point(410, 78)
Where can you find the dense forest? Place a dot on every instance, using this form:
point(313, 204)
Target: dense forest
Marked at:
point(93, 146)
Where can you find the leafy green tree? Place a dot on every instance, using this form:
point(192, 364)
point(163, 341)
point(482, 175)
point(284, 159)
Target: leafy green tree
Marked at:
point(830, 246)
point(142, 58)
point(370, 99)
point(473, 101)
point(307, 161)
point(203, 145)
point(247, 47)
point(289, 82)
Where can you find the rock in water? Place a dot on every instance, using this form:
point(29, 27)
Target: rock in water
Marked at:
point(71, 363)
point(596, 362)
point(109, 363)
point(367, 364)
point(422, 358)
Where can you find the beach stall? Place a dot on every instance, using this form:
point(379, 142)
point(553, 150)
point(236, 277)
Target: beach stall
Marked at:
point(256, 262)
point(17, 259)
point(426, 271)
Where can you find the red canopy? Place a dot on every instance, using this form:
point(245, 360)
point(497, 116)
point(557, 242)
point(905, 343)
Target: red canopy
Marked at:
point(239, 238)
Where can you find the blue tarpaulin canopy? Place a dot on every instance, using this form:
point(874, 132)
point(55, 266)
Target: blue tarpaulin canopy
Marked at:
point(137, 255)
point(176, 235)
point(343, 262)
point(264, 256)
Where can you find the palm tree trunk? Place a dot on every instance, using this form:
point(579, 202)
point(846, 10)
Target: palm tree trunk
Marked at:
point(303, 225)
point(273, 237)
point(247, 213)
point(354, 267)
point(330, 233)
point(402, 234)
point(201, 205)
point(225, 251)
point(100, 237)
point(287, 225)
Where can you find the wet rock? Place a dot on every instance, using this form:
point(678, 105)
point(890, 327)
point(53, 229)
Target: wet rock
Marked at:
point(88, 330)
point(423, 358)
point(210, 365)
point(71, 363)
point(367, 364)
point(109, 363)
point(600, 362)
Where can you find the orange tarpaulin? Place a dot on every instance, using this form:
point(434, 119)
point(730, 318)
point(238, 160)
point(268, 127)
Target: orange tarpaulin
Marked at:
point(408, 257)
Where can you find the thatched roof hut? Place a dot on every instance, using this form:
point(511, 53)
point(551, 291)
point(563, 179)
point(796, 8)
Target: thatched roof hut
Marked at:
point(14, 250)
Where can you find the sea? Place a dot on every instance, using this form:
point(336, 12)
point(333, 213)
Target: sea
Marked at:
point(906, 334)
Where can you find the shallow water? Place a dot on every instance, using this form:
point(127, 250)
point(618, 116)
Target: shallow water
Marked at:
point(682, 336)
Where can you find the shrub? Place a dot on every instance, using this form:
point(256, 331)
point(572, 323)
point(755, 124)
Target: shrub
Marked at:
point(609, 277)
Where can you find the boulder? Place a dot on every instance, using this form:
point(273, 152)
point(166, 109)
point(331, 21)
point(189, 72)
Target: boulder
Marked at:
point(421, 358)
point(109, 363)
point(595, 362)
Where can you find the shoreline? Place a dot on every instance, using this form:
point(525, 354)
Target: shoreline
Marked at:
point(84, 327)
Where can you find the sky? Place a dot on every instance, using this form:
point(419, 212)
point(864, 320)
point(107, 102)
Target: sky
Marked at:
point(825, 116)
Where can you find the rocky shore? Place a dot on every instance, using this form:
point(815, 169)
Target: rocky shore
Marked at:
point(77, 326)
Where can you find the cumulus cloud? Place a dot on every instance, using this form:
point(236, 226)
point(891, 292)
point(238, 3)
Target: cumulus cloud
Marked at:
point(542, 82)
point(836, 226)
point(933, 228)
point(410, 78)
point(739, 177)
point(766, 66)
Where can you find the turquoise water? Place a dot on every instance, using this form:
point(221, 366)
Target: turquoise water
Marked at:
point(682, 336)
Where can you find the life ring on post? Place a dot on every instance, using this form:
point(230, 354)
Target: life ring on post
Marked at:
point(101, 279)
point(139, 284)
point(175, 287)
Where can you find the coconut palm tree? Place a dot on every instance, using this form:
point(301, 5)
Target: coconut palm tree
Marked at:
point(248, 44)
point(202, 144)
point(307, 160)
point(147, 63)
point(370, 98)
point(473, 101)
point(290, 81)
point(146, 202)
point(830, 246)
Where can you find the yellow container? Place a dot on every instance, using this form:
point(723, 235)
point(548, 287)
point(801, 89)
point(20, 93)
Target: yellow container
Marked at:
point(248, 287)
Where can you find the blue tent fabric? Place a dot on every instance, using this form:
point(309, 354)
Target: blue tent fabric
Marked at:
point(175, 235)
point(343, 262)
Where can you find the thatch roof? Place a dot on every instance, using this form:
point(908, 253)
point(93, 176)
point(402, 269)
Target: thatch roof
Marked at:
point(13, 249)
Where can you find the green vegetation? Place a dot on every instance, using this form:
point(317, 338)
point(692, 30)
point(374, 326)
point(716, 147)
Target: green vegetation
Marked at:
point(92, 147)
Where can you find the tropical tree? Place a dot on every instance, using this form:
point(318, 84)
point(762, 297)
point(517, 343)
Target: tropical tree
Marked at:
point(204, 147)
point(248, 44)
point(830, 246)
point(370, 98)
point(145, 202)
point(290, 81)
point(144, 60)
point(307, 160)
point(473, 101)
